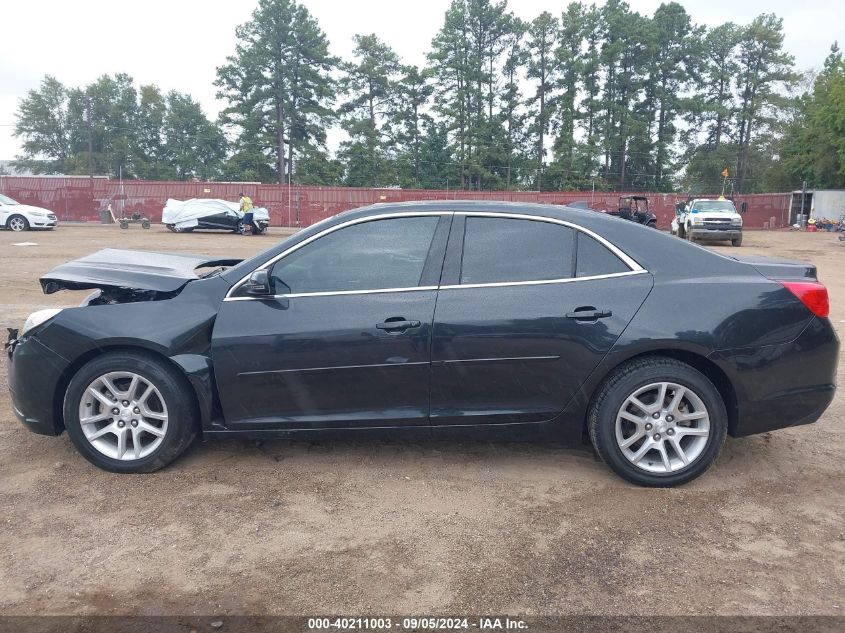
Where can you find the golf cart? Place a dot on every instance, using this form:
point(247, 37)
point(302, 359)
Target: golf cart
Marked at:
point(635, 209)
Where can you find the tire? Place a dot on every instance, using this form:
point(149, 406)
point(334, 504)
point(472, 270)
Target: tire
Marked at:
point(166, 423)
point(700, 440)
point(737, 241)
point(688, 235)
point(17, 223)
point(652, 225)
point(239, 228)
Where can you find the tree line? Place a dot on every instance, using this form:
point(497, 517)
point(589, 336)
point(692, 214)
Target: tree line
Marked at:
point(593, 97)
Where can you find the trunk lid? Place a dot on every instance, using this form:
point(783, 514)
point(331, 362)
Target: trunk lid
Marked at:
point(778, 269)
point(113, 268)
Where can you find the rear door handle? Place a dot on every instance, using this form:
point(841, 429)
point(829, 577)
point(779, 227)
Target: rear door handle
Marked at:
point(589, 313)
point(397, 325)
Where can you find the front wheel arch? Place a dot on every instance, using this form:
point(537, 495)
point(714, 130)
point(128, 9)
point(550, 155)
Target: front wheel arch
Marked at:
point(85, 358)
point(17, 216)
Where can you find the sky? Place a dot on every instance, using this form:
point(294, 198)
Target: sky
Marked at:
point(178, 44)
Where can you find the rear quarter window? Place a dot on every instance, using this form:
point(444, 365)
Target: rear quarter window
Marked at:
point(594, 258)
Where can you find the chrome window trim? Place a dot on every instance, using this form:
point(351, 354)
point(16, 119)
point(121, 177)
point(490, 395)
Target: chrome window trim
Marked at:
point(635, 267)
point(540, 282)
point(334, 293)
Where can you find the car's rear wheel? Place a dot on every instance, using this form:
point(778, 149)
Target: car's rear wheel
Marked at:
point(18, 223)
point(129, 412)
point(658, 422)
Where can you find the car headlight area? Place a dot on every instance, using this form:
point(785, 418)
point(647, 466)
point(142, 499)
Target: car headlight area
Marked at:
point(39, 318)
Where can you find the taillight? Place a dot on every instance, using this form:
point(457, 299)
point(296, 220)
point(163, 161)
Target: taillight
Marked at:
point(812, 294)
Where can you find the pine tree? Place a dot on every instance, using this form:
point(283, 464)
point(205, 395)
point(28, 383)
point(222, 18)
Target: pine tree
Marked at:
point(763, 68)
point(543, 67)
point(370, 84)
point(278, 82)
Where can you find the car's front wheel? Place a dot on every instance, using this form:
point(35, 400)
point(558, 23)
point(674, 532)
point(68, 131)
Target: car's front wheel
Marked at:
point(18, 223)
point(658, 422)
point(129, 412)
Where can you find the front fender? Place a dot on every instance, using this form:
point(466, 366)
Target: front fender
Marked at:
point(199, 371)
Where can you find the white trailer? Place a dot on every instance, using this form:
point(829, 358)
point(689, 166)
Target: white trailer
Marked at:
point(818, 204)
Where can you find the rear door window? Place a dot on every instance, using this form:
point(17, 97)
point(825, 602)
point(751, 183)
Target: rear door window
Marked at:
point(501, 250)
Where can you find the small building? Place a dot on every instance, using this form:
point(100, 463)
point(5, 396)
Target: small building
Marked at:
point(818, 204)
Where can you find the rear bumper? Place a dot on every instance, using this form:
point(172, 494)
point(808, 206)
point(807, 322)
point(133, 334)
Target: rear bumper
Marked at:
point(715, 234)
point(35, 372)
point(779, 386)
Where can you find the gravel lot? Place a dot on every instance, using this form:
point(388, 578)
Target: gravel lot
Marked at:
point(356, 527)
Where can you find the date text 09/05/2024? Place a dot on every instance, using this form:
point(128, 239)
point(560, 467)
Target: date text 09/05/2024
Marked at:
point(487, 623)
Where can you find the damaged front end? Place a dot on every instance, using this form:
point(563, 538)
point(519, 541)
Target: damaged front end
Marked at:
point(124, 276)
point(110, 296)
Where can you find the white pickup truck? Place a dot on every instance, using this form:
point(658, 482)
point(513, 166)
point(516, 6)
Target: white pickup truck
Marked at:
point(708, 219)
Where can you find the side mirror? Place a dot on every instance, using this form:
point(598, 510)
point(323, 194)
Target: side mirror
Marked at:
point(258, 283)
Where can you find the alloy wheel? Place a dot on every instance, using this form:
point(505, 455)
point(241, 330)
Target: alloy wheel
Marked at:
point(123, 415)
point(662, 427)
point(17, 224)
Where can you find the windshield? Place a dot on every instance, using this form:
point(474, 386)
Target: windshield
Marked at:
point(6, 200)
point(725, 206)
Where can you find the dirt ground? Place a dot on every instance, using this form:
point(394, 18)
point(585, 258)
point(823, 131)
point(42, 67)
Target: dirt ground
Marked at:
point(364, 527)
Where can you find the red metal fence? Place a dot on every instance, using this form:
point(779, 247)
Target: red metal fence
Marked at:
point(81, 198)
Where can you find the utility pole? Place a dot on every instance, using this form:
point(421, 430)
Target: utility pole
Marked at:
point(90, 147)
point(802, 219)
point(90, 140)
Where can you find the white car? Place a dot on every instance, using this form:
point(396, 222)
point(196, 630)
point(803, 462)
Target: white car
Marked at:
point(22, 217)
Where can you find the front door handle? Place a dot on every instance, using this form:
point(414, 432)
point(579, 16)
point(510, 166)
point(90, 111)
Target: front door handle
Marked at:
point(397, 324)
point(588, 313)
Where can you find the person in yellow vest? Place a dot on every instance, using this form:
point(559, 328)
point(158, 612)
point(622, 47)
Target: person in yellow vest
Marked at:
point(246, 209)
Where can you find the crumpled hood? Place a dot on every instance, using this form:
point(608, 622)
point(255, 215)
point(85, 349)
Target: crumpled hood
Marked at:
point(136, 270)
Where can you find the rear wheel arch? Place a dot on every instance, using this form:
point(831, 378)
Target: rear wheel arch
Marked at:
point(670, 436)
point(701, 363)
point(85, 358)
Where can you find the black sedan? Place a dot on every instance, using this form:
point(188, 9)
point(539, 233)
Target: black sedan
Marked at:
point(433, 317)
